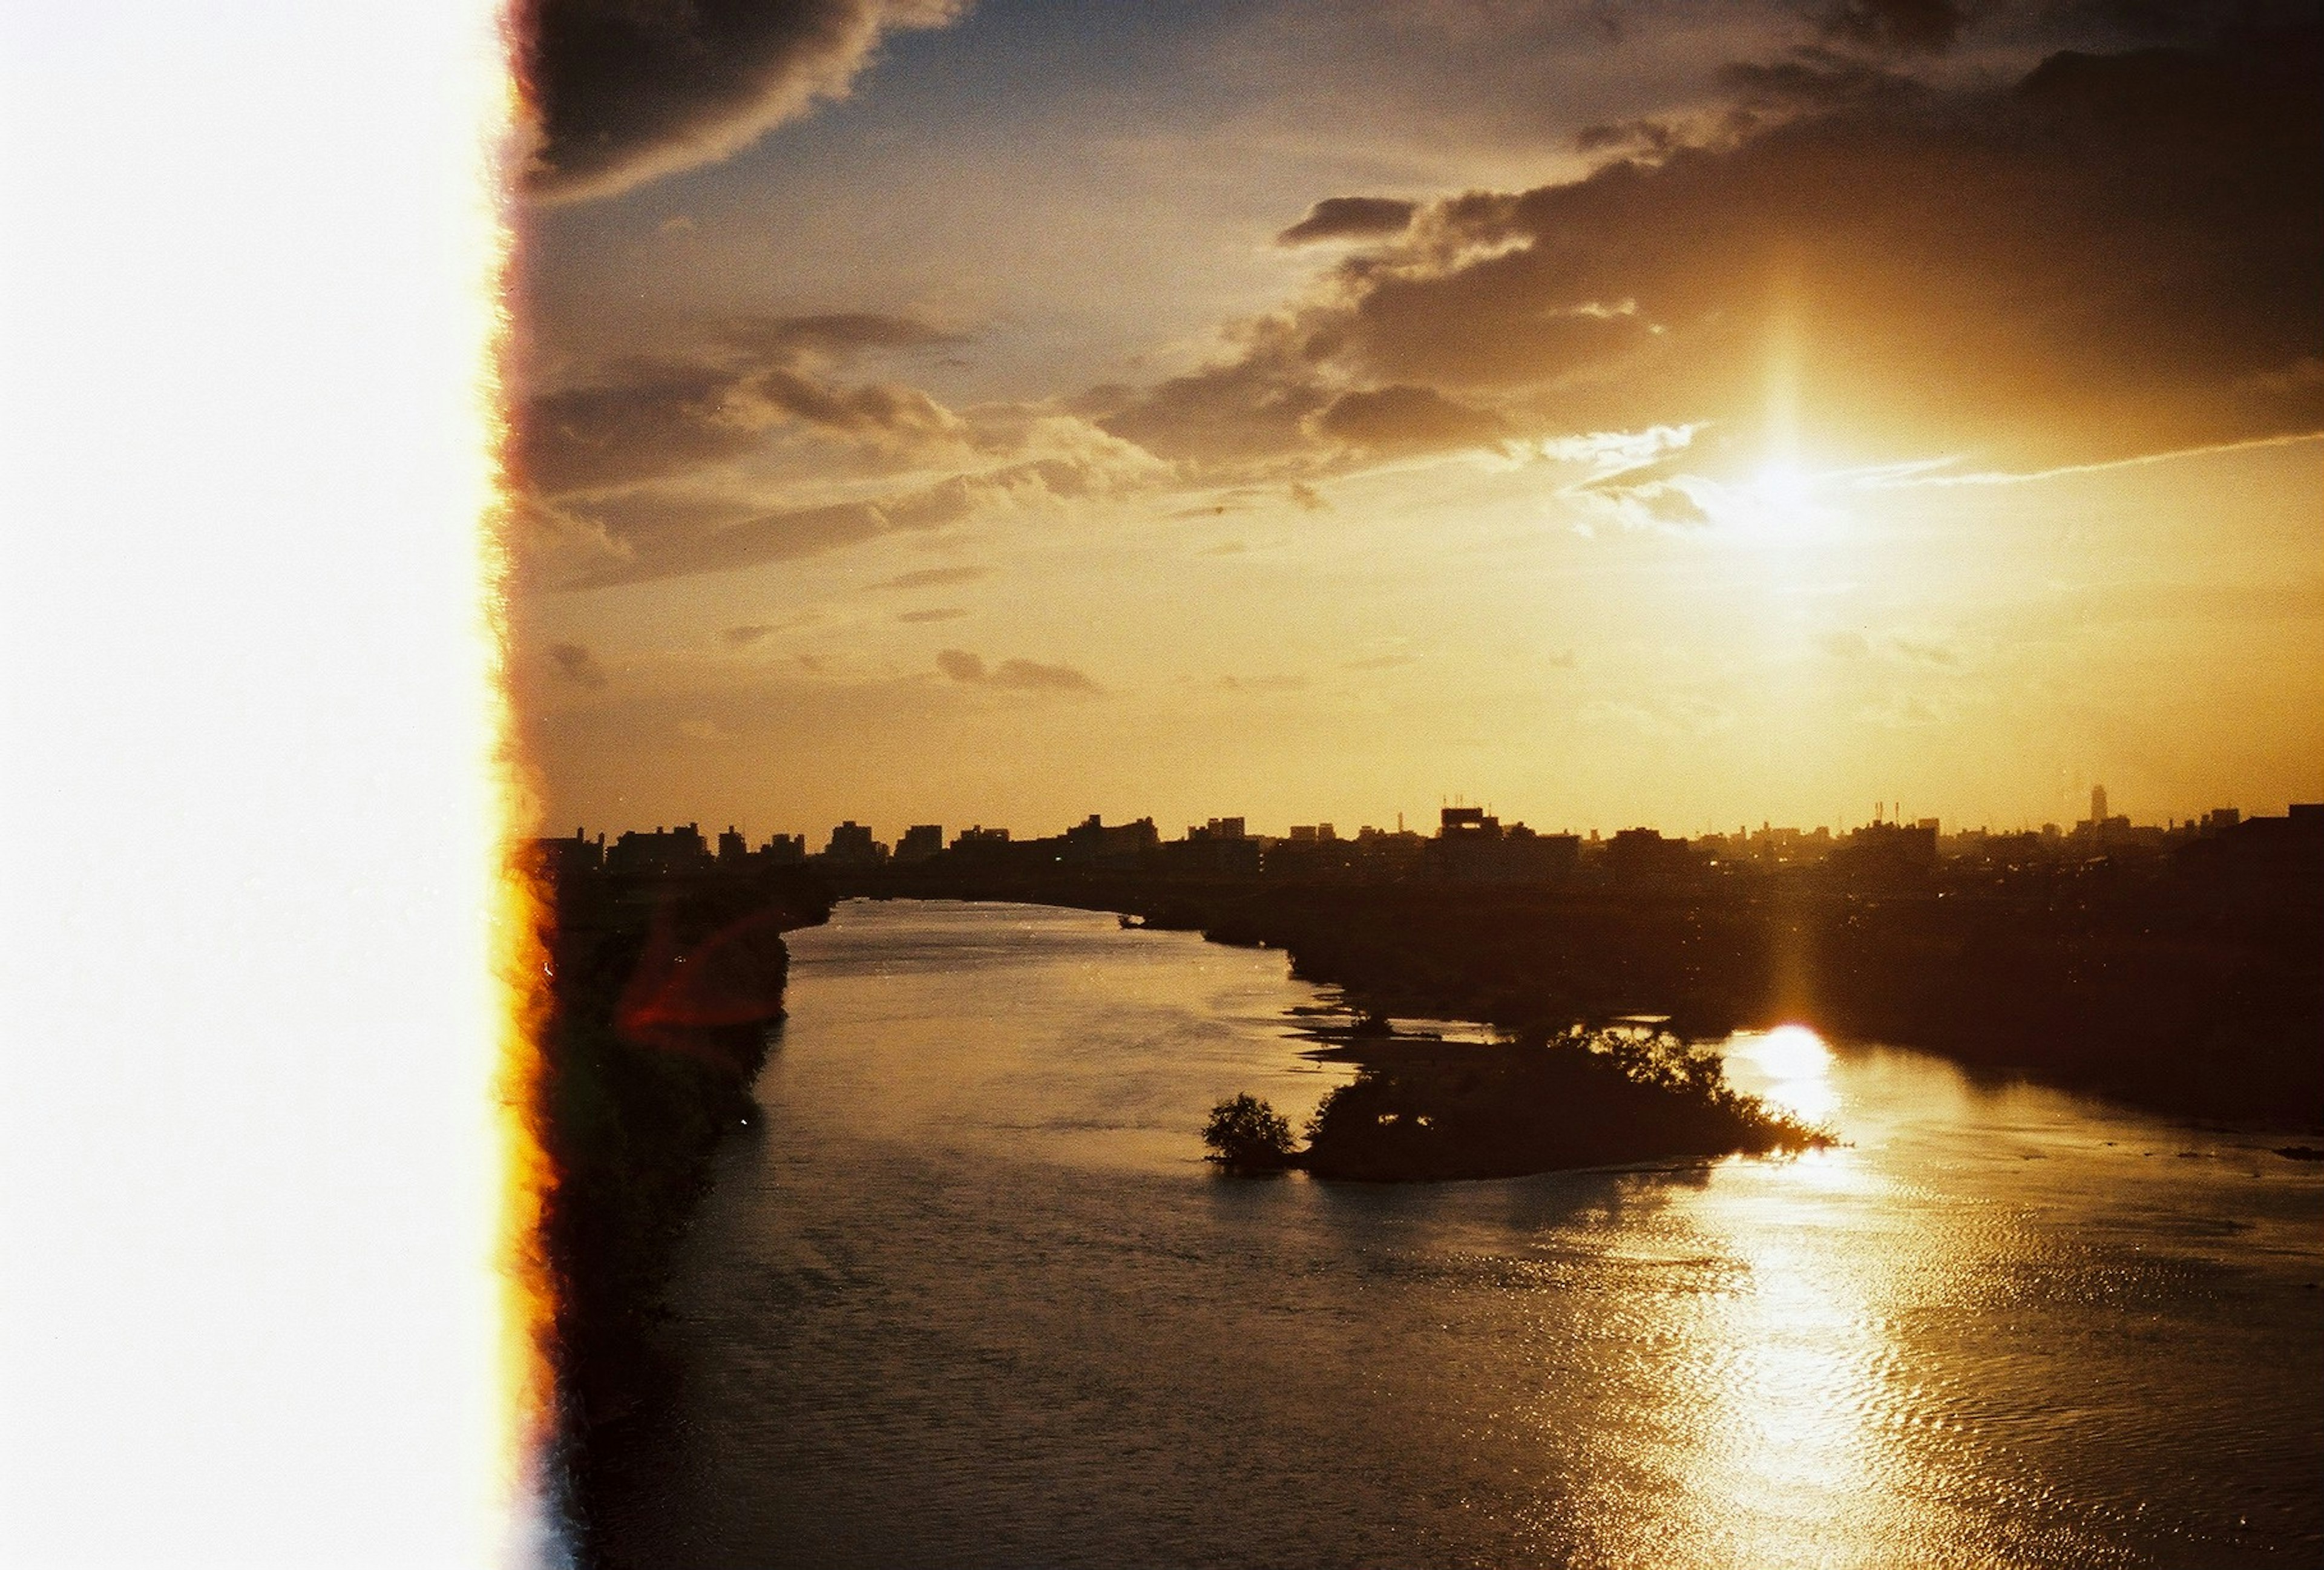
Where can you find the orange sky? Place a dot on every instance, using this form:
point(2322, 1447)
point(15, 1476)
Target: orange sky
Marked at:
point(1678, 414)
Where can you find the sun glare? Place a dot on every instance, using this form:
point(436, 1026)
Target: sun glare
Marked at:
point(1791, 1052)
point(1789, 1067)
point(1782, 484)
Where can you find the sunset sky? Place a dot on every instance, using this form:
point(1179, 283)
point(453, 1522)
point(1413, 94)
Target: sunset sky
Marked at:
point(1687, 414)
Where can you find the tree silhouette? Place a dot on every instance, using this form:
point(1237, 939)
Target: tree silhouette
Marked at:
point(1247, 1135)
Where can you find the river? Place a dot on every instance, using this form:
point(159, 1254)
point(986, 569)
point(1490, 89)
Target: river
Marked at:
point(966, 1294)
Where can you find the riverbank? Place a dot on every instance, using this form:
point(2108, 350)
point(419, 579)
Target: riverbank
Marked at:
point(661, 994)
point(2180, 996)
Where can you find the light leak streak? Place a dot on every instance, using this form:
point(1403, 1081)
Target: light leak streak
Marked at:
point(529, 1532)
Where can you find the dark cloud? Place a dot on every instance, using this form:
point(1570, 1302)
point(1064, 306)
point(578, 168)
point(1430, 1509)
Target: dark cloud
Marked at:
point(782, 536)
point(1350, 218)
point(1929, 26)
point(1021, 675)
point(1251, 408)
point(627, 90)
point(1812, 79)
point(655, 419)
point(1646, 138)
point(1402, 419)
point(577, 665)
point(941, 613)
point(648, 420)
point(743, 637)
point(837, 335)
point(932, 577)
point(1307, 498)
point(2118, 254)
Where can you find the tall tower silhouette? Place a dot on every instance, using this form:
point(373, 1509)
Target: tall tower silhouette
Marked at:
point(2097, 804)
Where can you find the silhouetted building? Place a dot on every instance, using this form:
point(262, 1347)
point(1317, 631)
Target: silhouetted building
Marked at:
point(733, 849)
point(1635, 854)
point(661, 854)
point(922, 842)
point(1473, 847)
point(1093, 845)
point(851, 846)
point(555, 858)
point(784, 850)
point(1216, 849)
point(1885, 854)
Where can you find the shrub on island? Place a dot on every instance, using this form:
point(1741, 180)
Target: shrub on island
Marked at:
point(1586, 1098)
point(1246, 1135)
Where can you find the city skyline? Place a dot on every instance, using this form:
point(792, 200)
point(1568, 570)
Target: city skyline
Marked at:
point(1884, 814)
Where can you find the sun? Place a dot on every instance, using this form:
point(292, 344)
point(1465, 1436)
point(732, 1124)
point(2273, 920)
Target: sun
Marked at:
point(1782, 485)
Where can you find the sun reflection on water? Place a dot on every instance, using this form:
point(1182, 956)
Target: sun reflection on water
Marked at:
point(1789, 1067)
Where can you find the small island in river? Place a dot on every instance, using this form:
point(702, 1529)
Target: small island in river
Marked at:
point(1425, 1110)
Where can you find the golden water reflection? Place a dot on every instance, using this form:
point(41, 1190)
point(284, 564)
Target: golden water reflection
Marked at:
point(973, 1300)
point(1789, 1067)
point(1777, 1386)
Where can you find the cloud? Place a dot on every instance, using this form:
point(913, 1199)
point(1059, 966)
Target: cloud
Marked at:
point(837, 335)
point(1252, 408)
point(961, 665)
point(1812, 79)
point(1403, 419)
point(932, 577)
point(941, 613)
point(656, 418)
point(1350, 218)
point(1926, 25)
point(743, 637)
point(2114, 255)
point(1307, 498)
point(1261, 683)
point(577, 665)
point(624, 91)
point(721, 456)
point(1020, 675)
point(783, 536)
point(1648, 488)
point(1924, 652)
point(648, 420)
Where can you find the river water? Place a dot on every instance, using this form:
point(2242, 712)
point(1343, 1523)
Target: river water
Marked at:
point(967, 1296)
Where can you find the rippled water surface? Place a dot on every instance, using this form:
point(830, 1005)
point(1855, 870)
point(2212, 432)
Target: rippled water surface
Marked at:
point(967, 1296)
